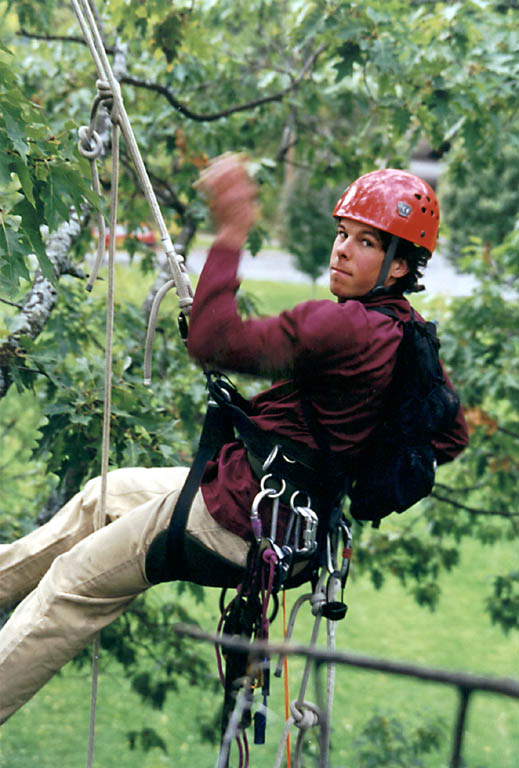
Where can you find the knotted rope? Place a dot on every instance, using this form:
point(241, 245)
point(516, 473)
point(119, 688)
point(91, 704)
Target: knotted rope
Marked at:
point(90, 145)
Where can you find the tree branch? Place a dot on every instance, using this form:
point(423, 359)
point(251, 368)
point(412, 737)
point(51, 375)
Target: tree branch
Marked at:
point(22, 32)
point(165, 91)
point(473, 510)
point(508, 432)
point(465, 489)
point(41, 299)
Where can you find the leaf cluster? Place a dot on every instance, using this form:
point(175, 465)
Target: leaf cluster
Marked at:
point(41, 178)
point(387, 741)
point(65, 368)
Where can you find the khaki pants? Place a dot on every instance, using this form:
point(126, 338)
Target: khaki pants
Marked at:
point(76, 581)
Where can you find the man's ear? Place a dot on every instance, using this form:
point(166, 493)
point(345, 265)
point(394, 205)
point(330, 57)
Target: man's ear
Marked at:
point(398, 268)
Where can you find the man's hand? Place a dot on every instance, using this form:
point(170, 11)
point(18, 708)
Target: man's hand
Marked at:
point(231, 195)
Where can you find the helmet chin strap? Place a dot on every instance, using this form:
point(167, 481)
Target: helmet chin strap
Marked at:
point(379, 286)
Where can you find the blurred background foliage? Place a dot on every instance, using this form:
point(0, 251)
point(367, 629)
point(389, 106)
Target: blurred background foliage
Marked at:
point(314, 92)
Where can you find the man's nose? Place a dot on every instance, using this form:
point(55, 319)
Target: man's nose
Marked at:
point(344, 248)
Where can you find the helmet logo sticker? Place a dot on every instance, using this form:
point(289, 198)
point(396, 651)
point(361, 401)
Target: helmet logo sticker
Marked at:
point(404, 209)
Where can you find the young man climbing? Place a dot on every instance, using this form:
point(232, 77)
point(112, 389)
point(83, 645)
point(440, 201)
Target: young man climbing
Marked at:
point(336, 354)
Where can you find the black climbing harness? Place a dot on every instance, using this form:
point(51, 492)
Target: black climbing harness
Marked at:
point(296, 528)
point(308, 483)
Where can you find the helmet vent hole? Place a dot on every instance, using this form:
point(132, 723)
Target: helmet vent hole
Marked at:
point(418, 197)
point(424, 210)
point(422, 233)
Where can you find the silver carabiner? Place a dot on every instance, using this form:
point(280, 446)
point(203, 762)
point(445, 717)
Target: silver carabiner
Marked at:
point(330, 563)
point(275, 504)
point(309, 530)
point(265, 493)
point(332, 550)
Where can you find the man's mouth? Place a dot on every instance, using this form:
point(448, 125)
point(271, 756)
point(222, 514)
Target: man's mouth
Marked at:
point(341, 271)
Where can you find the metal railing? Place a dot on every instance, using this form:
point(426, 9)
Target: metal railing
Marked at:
point(466, 684)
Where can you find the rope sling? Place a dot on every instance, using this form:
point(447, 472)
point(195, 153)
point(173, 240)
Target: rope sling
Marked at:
point(300, 713)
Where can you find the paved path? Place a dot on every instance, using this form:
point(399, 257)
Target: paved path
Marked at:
point(440, 277)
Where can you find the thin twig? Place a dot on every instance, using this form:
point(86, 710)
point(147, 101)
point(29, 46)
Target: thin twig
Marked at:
point(473, 510)
point(22, 32)
point(11, 303)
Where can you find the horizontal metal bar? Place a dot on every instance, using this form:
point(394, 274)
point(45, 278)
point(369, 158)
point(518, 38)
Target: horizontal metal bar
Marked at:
point(503, 686)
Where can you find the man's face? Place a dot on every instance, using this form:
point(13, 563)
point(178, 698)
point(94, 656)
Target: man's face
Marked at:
point(356, 259)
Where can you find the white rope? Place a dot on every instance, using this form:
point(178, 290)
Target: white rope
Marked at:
point(97, 49)
point(152, 324)
point(304, 714)
point(331, 627)
point(100, 514)
point(90, 146)
point(175, 260)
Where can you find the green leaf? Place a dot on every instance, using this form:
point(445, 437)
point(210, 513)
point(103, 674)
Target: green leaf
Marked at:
point(56, 199)
point(31, 222)
point(12, 256)
point(15, 127)
point(24, 176)
point(349, 53)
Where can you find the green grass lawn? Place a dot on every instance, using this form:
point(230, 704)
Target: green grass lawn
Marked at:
point(52, 729)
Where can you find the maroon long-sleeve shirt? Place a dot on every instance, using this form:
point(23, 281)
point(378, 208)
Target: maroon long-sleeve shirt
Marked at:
point(341, 353)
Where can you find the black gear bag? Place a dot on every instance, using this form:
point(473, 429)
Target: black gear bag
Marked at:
point(397, 468)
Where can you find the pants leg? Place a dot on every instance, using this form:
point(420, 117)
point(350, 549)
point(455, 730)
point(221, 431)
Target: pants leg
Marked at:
point(89, 586)
point(25, 561)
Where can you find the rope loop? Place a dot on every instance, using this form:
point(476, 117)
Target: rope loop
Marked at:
point(317, 600)
point(305, 714)
point(104, 91)
point(184, 302)
point(105, 94)
point(90, 144)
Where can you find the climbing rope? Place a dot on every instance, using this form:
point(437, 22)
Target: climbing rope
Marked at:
point(90, 145)
point(300, 713)
point(323, 600)
point(106, 76)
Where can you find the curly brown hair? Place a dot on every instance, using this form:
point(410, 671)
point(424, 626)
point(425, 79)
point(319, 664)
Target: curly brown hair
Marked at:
point(416, 258)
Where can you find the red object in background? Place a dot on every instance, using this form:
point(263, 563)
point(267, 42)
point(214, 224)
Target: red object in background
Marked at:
point(143, 234)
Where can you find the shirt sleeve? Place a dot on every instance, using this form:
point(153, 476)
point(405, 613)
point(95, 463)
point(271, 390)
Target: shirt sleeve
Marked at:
point(270, 346)
point(451, 443)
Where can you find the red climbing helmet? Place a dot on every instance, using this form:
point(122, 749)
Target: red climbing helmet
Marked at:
point(394, 201)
